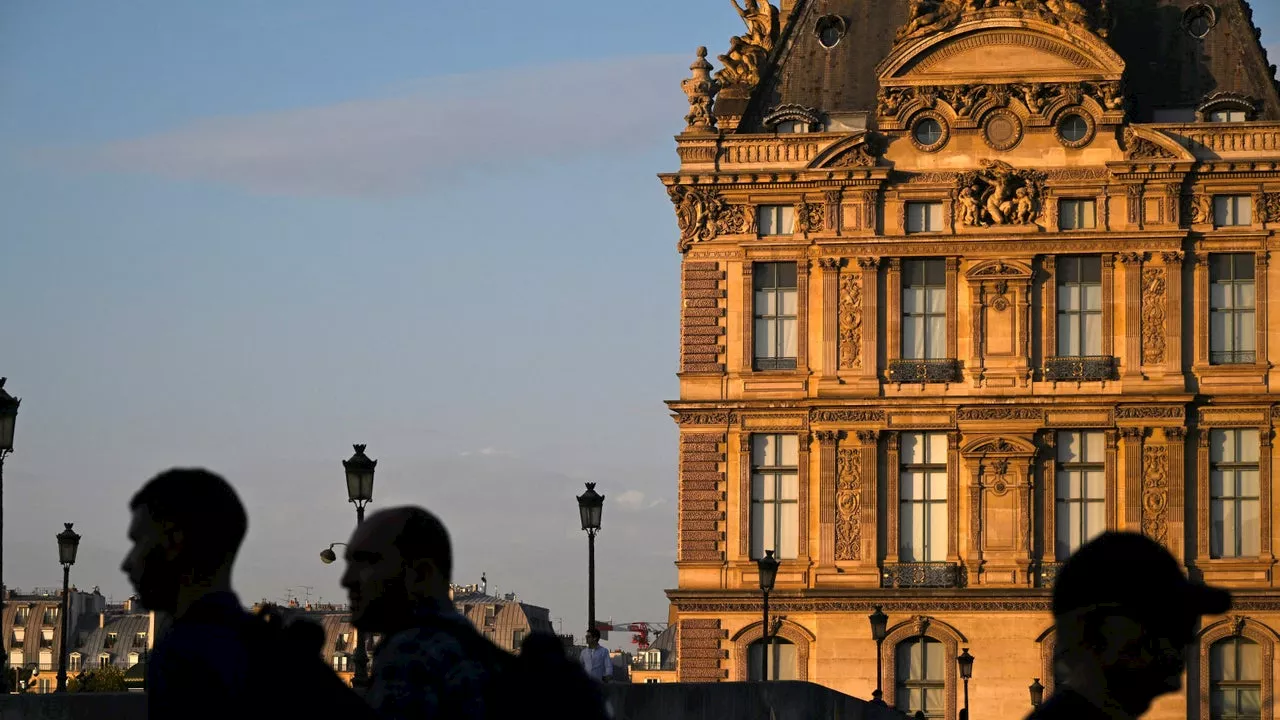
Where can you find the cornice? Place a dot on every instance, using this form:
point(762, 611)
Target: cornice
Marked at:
point(897, 602)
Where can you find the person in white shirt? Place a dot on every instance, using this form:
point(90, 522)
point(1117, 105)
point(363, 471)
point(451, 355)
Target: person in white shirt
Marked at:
point(595, 659)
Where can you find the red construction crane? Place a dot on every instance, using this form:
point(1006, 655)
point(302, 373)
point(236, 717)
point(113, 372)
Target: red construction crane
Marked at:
point(641, 632)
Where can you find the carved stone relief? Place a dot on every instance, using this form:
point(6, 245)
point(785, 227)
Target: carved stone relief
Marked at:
point(1197, 208)
point(933, 16)
point(810, 217)
point(1270, 207)
point(845, 416)
point(1140, 148)
point(848, 505)
point(850, 321)
point(1155, 492)
point(965, 100)
point(698, 211)
point(999, 194)
point(1153, 315)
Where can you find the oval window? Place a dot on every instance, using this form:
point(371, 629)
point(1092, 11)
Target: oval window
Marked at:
point(830, 30)
point(1074, 128)
point(928, 132)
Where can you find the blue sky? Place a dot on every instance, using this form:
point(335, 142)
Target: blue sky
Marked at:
point(245, 235)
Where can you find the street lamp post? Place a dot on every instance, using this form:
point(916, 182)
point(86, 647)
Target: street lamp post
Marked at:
point(359, 480)
point(8, 417)
point(359, 469)
point(591, 509)
point(68, 543)
point(879, 630)
point(965, 661)
point(1037, 693)
point(768, 569)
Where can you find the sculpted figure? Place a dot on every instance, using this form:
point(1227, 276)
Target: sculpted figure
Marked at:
point(970, 207)
point(928, 16)
point(741, 64)
point(1069, 10)
point(1023, 206)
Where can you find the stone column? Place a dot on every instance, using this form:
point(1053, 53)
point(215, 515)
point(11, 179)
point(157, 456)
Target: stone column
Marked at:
point(892, 497)
point(830, 270)
point(1049, 343)
point(893, 313)
point(1132, 437)
point(749, 316)
point(827, 440)
point(1049, 465)
point(870, 269)
point(1175, 440)
point(1173, 313)
point(1132, 361)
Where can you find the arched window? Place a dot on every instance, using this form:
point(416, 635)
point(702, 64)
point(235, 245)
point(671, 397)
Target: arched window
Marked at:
point(1235, 679)
point(921, 677)
point(783, 661)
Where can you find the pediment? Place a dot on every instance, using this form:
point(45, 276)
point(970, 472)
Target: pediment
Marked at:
point(1002, 51)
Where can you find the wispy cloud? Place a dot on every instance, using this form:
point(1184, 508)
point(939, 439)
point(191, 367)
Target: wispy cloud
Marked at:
point(436, 130)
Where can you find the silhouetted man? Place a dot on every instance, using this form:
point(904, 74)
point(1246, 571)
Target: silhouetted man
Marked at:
point(595, 659)
point(431, 662)
point(1124, 614)
point(216, 661)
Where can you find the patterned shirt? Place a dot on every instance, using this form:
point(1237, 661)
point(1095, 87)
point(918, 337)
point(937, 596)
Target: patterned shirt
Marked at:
point(440, 668)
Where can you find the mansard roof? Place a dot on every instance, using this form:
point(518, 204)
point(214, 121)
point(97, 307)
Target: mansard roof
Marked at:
point(1166, 67)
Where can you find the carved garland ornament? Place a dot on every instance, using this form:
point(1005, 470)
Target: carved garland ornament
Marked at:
point(698, 211)
point(850, 321)
point(848, 505)
point(1140, 148)
point(966, 99)
point(1153, 316)
point(848, 416)
point(999, 194)
point(1155, 492)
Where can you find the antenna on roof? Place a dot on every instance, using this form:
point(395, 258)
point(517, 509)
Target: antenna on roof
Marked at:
point(484, 584)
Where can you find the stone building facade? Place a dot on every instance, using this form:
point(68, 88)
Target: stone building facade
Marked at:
point(964, 284)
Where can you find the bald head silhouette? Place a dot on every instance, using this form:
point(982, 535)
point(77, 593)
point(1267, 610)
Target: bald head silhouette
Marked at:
point(399, 560)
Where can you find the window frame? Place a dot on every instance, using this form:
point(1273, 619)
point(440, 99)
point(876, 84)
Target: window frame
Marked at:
point(1229, 210)
point(1080, 287)
point(1062, 471)
point(779, 361)
point(930, 208)
point(1233, 355)
point(1237, 685)
point(1089, 220)
point(924, 683)
point(784, 217)
point(930, 504)
point(1235, 468)
point(777, 473)
point(927, 314)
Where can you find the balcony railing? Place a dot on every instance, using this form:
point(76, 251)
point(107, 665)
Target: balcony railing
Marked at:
point(924, 371)
point(1089, 367)
point(664, 664)
point(1048, 574)
point(1233, 357)
point(923, 575)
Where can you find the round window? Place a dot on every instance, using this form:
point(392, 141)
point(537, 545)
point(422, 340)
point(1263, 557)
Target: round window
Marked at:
point(1074, 128)
point(1199, 19)
point(928, 132)
point(830, 30)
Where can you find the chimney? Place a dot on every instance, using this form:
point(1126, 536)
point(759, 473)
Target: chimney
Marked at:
point(102, 620)
point(484, 584)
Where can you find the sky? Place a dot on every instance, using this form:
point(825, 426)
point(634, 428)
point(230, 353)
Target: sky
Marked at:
point(245, 235)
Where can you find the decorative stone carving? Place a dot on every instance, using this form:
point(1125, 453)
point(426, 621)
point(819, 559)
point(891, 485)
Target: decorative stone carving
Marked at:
point(1153, 315)
point(1270, 207)
point(850, 321)
point(1197, 208)
point(926, 17)
point(708, 418)
point(1155, 492)
point(1140, 148)
point(810, 217)
point(966, 99)
point(847, 416)
point(740, 67)
point(735, 220)
point(698, 212)
point(848, 505)
point(792, 112)
point(1000, 413)
point(701, 89)
point(999, 445)
point(1150, 412)
point(999, 194)
point(1135, 194)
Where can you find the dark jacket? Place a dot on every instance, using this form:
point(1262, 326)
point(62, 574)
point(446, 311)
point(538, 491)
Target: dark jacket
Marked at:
point(1066, 704)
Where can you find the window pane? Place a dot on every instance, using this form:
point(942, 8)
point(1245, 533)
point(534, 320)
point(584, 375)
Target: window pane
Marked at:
point(936, 345)
point(1092, 297)
point(937, 533)
point(1249, 445)
point(790, 483)
point(1070, 447)
point(1244, 210)
point(765, 338)
point(1245, 332)
point(1222, 661)
point(937, 443)
point(787, 275)
point(935, 272)
point(1091, 270)
point(1250, 702)
point(764, 276)
point(934, 659)
point(935, 216)
point(1243, 295)
point(1222, 214)
point(1069, 298)
point(789, 450)
point(757, 530)
point(937, 299)
point(788, 302)
point(787, 330)
point(1096, 521)
point(1250, 528)
point(937, 485)
point(1094, 443)
point(913, 300)
point(766, 303)
point(787, 224)
point(913, 448)
point(1220, 295)
point(1221, 447)
point(1250, 661)
point(915, 217)
point(1092, 335)
point(1242, 266)
point(789, 532)
point(913, 485)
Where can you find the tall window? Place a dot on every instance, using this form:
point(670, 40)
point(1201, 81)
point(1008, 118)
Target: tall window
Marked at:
point(1077, 214)
point(1235, 680)
point(775, 495)
point(517, 638)
point(1081, 486)
point(104, 660)
point(776, 305)
point(1235, 523)
point(1232, 301)
point(776, 219)
point(1232, 210)
point(922, 483)
point(46, 659)
point(924, 309)
point(921, 683)
point(924, 217)
point(1079, 306)
point(73, 662)
point(783, 661)
point(15, 658)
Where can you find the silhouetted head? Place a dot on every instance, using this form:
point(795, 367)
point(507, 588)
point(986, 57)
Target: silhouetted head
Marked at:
point(593, 637)
point(397, 560)
point(186, 529)
point(1125, 614)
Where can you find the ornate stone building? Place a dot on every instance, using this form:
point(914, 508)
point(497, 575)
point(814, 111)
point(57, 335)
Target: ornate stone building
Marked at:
point(965, 283)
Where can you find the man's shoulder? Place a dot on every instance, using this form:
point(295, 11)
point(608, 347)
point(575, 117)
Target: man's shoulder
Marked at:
point(448, 644)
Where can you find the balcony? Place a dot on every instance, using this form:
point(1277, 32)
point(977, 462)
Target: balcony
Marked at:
point(1047, 574)
point(1233, 357)
point(923, 575)
point(1090, 367)
point(924, 371)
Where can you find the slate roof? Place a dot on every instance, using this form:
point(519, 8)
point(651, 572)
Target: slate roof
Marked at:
point(1165, 66)
point(126, 628)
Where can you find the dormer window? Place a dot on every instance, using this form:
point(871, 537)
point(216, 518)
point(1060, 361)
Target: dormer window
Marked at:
point(794, 126)
point(133, 659)
point(789, 119)
point(1226, 116)
point(110, 642)
point(1227, 107)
